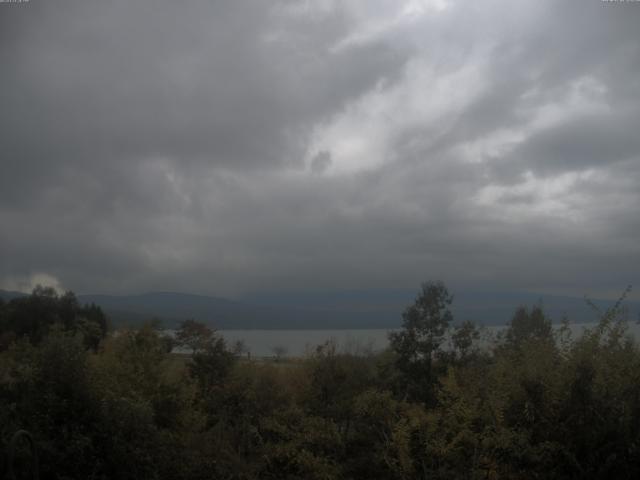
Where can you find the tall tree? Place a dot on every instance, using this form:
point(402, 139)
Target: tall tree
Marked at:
point(210, 361)
point(527, 325)
point(417, 344)
point(35, 315)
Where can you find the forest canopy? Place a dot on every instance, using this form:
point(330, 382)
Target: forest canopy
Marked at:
point(440, 402)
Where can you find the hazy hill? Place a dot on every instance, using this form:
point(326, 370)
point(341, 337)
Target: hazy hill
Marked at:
point(8, 295)
point(488, 308)
point(357, 309)
point(246, 314)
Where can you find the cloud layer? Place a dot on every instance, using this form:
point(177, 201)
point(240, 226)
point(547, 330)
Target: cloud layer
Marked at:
point(227, 147)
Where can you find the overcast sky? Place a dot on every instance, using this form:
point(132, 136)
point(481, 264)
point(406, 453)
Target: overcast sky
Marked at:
point(224, 147)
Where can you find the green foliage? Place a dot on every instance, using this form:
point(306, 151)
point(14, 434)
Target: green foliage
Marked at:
point(418, 343)
point(211, 363)
point(194, 335)
point(299, 446)
point(463, 339)
point(528, 325)
point(335, 379)
point(47, 390)
point(535, 404)
point(32, 317)
point(384, 441)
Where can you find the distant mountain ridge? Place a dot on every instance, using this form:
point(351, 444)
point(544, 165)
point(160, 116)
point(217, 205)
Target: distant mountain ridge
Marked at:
point(8, 294)
point(328, 310)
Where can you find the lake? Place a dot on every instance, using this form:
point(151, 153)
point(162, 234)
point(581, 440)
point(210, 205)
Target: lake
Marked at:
point(261, 343)
point(298, 342)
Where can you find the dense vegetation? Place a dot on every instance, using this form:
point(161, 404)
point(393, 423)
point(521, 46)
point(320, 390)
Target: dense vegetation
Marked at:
point(534, 403)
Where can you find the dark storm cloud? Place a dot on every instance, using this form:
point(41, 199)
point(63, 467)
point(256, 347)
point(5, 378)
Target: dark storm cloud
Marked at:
point(221, 147)
point(586, 142)
point(321, 161)
point(94, 83)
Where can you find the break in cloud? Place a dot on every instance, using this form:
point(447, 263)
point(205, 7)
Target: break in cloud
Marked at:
point(226, 147)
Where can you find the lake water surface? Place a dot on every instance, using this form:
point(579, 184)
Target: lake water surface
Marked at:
point(261, 343)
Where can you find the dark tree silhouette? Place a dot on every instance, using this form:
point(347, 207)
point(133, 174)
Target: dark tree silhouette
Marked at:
point(416, 345)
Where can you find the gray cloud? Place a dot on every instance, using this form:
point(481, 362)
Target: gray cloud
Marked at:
point(321, 161)
point(173, 146)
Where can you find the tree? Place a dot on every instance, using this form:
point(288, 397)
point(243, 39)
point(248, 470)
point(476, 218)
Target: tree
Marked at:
point(416, 345)
point(279, 351)
point(211, 364)
point(194, 335)
point(240, 347)
point(335, 379)
point(92, 323)
point(528, 325)
point(35, 315)
point(463, 338)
